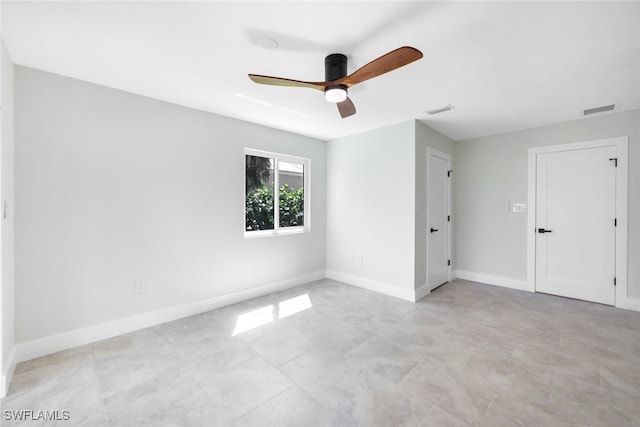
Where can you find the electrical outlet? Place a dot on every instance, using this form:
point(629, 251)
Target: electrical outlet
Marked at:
point(139, 287)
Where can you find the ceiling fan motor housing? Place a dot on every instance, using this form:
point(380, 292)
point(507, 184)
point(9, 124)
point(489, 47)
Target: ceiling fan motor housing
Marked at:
point(335, 67)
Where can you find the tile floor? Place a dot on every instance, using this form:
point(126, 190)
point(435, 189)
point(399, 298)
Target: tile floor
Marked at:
point(330, 354)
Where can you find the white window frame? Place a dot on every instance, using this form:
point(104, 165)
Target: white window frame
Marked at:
point(277, 158)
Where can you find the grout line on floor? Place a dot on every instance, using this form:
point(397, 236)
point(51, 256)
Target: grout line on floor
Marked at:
point(264, 403)
point(95, 371)
point(486, 411)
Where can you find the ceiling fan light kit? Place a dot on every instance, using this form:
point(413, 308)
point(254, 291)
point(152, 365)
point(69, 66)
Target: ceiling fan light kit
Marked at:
point(337, 82)
point(335, 94)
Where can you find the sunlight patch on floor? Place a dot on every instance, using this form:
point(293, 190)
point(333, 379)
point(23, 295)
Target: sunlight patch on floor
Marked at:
point(269, 313)
point(293, 306)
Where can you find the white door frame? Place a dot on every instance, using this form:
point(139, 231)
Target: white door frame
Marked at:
point(621, 144)
point(447, 157)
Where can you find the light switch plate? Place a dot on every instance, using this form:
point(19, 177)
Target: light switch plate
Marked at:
point(519, 207)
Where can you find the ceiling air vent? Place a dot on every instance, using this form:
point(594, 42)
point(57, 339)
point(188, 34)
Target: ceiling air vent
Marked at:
point(439, 110)
point(601, 109)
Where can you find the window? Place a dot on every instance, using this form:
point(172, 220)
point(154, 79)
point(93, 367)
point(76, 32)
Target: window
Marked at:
point(285, 176)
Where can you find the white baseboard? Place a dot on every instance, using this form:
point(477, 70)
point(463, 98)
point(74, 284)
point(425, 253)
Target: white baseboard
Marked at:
point(422, 292)
point(5, 386)
point(373, 285)
point(628, 303)
point(52, 344)
point(505, 282)
point(7, 373)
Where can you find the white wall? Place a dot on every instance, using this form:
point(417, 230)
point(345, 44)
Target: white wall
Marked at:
point(426, 137)
point(370, 209)
point(113, 187)
point(491, 171)
point(7, 258)
point(377, 207)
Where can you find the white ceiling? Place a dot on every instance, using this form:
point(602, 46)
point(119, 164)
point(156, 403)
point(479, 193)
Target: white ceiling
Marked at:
point(503, 65)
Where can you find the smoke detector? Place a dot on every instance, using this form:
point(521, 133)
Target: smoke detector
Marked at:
point(268, 43)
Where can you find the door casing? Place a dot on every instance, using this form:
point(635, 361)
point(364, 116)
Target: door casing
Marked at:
point(447, 158)
point(621, 144)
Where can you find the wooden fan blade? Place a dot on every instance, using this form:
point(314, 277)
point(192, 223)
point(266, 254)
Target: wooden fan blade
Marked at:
point(279, 81)
point(346, 108)
point(387, 62)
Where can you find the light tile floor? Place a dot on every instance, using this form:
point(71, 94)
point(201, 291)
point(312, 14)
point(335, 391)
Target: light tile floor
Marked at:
point(331, 354)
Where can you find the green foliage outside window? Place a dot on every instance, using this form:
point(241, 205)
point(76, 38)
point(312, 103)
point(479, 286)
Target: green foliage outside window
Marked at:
point(291, 206)
point(259, 208)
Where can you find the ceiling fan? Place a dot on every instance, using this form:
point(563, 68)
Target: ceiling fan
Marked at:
point(338, 82)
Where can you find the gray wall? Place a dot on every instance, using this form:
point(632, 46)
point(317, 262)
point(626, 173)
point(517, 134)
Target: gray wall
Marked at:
point(370, 205)
point(114, 188)
point(377, 203)
point(491, 171)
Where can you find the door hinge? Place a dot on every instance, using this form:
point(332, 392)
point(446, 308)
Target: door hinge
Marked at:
point(614, 281)
point(448, 262)
point(615, 161)
point(449, 172)
point(448, 218)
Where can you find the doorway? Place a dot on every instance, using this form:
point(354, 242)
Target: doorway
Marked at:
point(438, 218)
point(577, 219)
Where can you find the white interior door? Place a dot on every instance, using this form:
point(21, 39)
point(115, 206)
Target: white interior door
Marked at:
point(437, 220)
point(575, 230)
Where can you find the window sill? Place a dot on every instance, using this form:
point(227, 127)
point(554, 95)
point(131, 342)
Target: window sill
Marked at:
point(279, 232)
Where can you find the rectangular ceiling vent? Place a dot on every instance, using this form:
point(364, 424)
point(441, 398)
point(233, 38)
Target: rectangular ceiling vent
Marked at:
point(439, 110)
point(597, 110)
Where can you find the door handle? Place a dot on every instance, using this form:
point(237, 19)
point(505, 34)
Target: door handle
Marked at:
point(542, 231)
point(433, 230)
